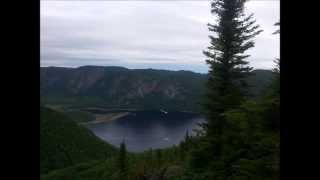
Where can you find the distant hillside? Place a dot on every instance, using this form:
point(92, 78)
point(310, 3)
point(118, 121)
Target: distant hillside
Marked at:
point(120, 87)
point(64, 143)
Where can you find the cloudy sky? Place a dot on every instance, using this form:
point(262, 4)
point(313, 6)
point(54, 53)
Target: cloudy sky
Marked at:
point(143, 34)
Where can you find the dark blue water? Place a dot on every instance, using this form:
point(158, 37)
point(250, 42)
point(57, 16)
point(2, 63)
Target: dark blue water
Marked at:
point(148, 129)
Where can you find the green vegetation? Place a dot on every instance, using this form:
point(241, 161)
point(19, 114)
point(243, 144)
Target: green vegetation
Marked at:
point(80, 116)
point(64, 143)
point(241, 137)
point(152, 164)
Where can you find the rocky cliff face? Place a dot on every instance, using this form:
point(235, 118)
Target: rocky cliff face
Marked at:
point(121, 87)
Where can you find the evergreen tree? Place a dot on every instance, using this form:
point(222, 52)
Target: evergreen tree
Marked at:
point(226, 59)
point(232, 36)
point(187, 137)
point(255, 127)
point(275, 86)
point(159, 157)
point(122, 161)
point(187, 142)
point(278, 30)
point(272, 118)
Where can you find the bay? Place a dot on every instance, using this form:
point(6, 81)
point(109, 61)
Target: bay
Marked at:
point(142, 130)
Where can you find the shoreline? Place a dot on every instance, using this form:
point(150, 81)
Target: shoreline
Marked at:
point(103, 118)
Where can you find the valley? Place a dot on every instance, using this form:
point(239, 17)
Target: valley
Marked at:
point(122, 96)
point(92, 111)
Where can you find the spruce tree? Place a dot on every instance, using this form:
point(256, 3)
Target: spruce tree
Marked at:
point(275, 84)
point(278, 30)
point(187, 137)
point(122, 161)
point(274, 95)
point(159, 157)
point(232, 36)
point(187, 141)
point(276, 70)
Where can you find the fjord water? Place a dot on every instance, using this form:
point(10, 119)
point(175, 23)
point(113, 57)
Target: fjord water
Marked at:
point(143, 130)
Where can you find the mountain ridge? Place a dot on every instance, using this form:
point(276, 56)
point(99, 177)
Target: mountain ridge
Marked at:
point(115, 86)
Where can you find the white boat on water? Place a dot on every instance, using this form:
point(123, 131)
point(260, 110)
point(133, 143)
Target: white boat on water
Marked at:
point(165, 112)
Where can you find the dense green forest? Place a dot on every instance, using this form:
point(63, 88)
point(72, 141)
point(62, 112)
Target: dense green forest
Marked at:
point(239, 141)
point(64, 143)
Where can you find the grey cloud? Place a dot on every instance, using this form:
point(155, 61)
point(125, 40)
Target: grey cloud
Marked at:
point(134, 34)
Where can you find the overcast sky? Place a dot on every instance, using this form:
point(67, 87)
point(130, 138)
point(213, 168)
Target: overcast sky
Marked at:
point(143, 34)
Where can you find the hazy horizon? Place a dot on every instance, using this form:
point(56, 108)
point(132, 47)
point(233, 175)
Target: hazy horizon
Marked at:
point(143, 34)
point(75, 67)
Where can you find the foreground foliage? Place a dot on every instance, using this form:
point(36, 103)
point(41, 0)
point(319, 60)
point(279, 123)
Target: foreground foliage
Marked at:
point(64, 143)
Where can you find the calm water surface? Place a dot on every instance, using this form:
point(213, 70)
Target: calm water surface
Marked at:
point(148, 129)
